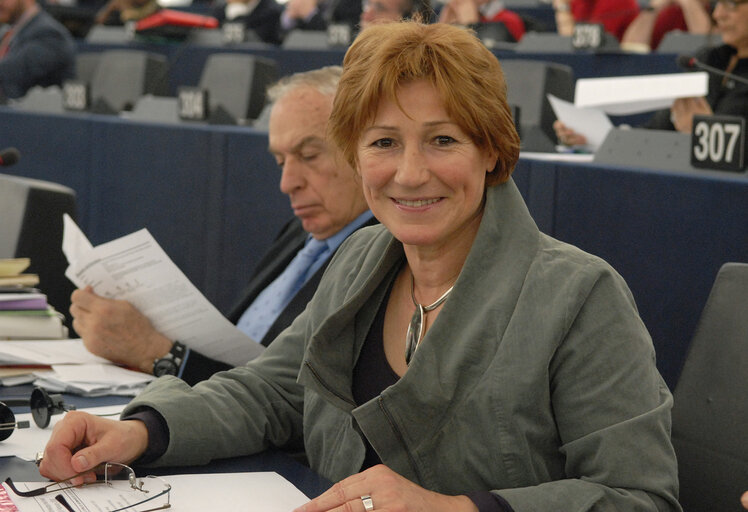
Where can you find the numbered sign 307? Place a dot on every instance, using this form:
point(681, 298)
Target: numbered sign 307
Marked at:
point(718, 142)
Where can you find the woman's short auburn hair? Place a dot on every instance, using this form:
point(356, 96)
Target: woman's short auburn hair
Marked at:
point(467, 75)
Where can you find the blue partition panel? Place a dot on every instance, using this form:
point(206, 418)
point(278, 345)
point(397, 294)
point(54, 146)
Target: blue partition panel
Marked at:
point(666, 233)
point(254, 211)
point(163, 178)
point(53, 148)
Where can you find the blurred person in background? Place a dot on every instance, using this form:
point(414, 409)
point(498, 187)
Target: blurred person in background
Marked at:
point(614, 15)
point(473, 12)
point(645, 33)
point(378, 11)
point(119, 12)
point(318, 14)
point(725, 96)
point(261, 16)
point(34, 49)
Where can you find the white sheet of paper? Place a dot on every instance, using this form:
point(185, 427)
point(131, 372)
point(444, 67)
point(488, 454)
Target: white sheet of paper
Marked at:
point(92, 380)
point(46, 352)
point(26, 442)
point(558, 157)
point(136, 269)
point(100, 374)
point(593, 123)
point(636, 94)
point(215, 492)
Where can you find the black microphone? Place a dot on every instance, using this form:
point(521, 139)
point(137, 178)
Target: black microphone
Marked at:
point(9, 156)
point(687, 62)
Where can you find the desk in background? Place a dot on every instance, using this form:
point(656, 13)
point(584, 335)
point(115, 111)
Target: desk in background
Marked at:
point(186, 61)
point(301, 476)
point(210, 197)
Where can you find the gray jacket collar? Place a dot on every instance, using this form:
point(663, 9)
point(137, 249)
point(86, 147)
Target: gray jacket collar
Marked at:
point(496, 266)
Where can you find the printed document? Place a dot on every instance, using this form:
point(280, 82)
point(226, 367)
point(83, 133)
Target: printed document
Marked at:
point(215, 492)
point(136, 269)
point(593, 123)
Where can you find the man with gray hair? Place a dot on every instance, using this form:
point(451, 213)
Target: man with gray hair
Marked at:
point(328, 204)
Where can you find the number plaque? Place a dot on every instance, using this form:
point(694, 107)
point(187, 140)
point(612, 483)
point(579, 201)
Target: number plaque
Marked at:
point(192, 103)
point(718, 142)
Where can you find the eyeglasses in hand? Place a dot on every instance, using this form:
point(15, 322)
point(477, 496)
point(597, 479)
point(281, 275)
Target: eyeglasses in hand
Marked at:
point(151, 491)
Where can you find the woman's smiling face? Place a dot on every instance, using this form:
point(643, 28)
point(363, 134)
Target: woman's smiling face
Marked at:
point(423, 177)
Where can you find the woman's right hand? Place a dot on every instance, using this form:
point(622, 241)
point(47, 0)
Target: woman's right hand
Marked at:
point(567, 136)
point(82, 441)
point(744, 500)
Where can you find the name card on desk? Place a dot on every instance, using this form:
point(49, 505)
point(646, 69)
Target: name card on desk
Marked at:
point(192, 103)
point(234, 32)
point(587, 35)
point(76, 95)
point(718, 142)
point(339, 34)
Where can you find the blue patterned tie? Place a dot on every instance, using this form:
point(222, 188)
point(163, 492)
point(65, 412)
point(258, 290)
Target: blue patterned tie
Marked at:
point(256, 321)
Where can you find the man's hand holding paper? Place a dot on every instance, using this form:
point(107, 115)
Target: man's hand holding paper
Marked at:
point(116, 330)
point(162, 304)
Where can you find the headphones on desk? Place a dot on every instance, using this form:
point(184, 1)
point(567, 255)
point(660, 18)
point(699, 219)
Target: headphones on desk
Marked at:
point(43, 407)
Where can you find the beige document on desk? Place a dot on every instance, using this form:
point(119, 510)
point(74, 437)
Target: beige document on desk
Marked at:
point(214, 492)
point(136, 269)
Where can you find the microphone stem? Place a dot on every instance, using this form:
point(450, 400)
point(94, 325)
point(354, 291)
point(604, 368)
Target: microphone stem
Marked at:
point(731, 76)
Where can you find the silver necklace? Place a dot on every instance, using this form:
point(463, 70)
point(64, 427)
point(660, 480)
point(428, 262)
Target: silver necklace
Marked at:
point(415, 328)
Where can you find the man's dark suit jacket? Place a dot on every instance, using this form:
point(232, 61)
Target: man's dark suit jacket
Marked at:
point(264, 20)
point(41, 53)
point(290, 241)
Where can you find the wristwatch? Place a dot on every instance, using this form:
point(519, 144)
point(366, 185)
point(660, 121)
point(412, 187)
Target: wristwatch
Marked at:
point(171, 362)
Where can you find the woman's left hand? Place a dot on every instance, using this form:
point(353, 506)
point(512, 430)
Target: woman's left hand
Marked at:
point(387, 491)
point(683, 110)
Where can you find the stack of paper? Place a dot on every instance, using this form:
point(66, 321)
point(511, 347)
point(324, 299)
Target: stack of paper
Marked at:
point(28, 316)
point(73, 368)
point(11, 273)
point(92, 380)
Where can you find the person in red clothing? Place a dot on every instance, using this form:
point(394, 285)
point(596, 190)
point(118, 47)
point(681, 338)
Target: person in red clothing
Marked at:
point(614, 15)
point(661, 16)
point(471, 12)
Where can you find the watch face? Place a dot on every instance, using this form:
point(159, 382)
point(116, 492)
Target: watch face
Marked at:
point(164, 367)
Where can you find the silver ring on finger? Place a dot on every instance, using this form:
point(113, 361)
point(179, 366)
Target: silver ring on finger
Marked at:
point(368, 504)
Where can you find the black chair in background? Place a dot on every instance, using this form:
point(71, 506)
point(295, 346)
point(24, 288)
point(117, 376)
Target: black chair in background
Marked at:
point(528, 84)
point(710, 412)
point(123, 76)
point(85, 66)
point(236, 85)
point(684, 43)
point(31, 212)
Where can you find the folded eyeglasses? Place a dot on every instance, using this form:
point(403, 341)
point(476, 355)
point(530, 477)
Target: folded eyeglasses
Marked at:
point(133, 492)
